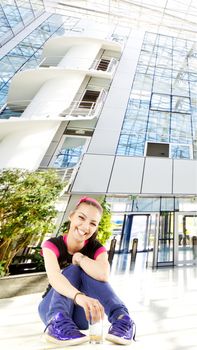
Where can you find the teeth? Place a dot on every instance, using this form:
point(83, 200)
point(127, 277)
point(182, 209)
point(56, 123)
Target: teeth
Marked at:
point(81, 232)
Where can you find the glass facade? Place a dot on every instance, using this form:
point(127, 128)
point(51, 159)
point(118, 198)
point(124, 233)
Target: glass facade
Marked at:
point(15, 15)
point(135, 204)
point(163, 101)
point(27, 54)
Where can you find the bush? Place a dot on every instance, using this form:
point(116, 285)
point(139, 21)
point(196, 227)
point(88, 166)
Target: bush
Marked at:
point(27, 209)
point(105, 225)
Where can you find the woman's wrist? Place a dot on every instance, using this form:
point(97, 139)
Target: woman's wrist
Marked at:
point(80, 259)
point(75, 297)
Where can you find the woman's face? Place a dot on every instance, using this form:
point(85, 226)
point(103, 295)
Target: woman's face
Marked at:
point(84, 222)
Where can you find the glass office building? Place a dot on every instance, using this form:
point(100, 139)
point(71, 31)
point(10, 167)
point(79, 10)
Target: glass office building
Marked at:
point(107, 96)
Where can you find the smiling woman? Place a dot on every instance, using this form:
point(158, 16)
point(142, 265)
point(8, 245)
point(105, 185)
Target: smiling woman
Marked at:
point(78, 269)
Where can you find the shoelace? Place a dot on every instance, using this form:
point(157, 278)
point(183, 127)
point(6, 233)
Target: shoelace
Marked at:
point(121, 324)
point(65, 324)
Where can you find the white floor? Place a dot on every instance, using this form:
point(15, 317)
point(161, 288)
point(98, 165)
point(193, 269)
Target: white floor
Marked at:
point(163, 304)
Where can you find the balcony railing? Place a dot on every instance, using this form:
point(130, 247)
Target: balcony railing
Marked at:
point(101, 66)
point(53, 61)
point(6, 112)
point(85, 109)
point(66, 175)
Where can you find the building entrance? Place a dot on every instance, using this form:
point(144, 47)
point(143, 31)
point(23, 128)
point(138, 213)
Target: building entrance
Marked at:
point(186, 238)
point(166, 238)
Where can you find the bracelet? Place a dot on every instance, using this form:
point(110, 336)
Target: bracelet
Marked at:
point(74, 299)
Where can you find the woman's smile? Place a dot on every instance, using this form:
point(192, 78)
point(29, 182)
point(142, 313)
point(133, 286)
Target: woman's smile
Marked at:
point(80, 232)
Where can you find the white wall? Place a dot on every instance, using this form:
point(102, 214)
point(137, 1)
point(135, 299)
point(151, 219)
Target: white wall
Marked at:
point(157, 177)
point(136, 175)
point(94, 174)
point(185, 176)
point(127, 175)
point(26, 147)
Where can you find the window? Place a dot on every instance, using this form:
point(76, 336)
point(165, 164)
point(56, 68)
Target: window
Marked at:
point(157, 149)
point(69, 152)
point(160, 102)
point(180, 152)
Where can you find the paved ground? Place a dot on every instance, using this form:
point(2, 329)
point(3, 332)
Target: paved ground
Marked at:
point(163, 304)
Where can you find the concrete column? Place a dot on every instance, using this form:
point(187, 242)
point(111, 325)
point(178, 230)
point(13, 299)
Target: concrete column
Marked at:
point(80, 56)
point(54, 97)
point(25, 147)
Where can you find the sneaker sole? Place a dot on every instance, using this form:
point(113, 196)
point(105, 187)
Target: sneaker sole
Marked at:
point(118, 340)
point(66, 342)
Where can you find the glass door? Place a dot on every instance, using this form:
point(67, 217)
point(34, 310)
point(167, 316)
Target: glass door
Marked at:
point(135, 226)
point(165, 255)
point(161, 240)
point(152, 240)
point(186, 238)
point(134, 242)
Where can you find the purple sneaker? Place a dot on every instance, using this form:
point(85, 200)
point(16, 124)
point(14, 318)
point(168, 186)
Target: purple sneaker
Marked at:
point(62, 330)
point(122, 331)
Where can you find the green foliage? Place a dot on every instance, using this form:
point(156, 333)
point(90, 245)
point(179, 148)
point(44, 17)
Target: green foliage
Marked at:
point(105, 226)
point(64, 227)
point(2, 268)
point(38, 259)
point(26, 209)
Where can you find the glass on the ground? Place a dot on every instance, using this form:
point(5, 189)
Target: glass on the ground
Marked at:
point(96, 332)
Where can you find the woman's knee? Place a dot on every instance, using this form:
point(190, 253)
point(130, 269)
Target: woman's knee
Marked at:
point(86, 278)
point(73, 274)
point(71, 269)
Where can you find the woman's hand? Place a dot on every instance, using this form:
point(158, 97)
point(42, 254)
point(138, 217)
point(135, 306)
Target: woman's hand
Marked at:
point(92, 307)
point(77, 258)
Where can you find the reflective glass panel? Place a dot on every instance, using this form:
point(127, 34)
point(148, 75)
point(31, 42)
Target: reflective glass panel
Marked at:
point(146, 204)
point(180, 104)
point(180, 152)
point(70, 152)
point(160, 102)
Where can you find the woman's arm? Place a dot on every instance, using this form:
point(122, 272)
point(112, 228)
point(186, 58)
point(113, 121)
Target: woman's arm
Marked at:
point(55, 277)
point(98, 269)
point(62, 285)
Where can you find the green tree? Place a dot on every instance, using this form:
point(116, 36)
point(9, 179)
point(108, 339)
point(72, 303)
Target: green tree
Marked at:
point(105, 225)
point(27, 209)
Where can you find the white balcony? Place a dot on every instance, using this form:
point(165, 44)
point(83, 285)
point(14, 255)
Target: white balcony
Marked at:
point(80, 109)
point(26, 84)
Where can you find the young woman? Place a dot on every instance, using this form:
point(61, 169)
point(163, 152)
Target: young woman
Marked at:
point(77, 268)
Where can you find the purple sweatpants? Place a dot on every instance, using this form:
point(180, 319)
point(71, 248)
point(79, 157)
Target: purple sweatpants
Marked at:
point(53, 302)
